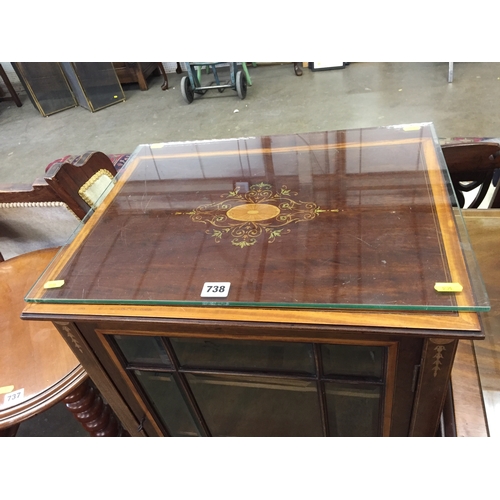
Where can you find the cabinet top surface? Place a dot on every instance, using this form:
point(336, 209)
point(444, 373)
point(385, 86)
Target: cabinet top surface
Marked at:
point(353, 219)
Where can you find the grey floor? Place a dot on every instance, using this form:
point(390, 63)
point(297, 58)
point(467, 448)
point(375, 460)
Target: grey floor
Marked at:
point(361, 95)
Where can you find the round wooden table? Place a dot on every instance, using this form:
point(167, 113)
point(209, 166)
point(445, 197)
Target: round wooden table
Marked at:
point(37, 368)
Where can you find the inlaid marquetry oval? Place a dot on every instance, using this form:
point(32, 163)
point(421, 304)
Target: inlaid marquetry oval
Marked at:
point(250, 212)
point(246, 217)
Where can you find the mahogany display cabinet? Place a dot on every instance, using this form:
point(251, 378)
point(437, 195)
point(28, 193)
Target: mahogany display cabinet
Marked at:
point(310, 284)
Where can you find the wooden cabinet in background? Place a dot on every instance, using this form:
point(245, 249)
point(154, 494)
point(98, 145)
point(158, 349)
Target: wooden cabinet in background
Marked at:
point(136, 72)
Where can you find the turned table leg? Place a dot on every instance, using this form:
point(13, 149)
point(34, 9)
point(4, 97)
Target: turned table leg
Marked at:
point(92, 412)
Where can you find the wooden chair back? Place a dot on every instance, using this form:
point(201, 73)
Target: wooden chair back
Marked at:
point(47, 213)
point(86, 171)
point(471, 167)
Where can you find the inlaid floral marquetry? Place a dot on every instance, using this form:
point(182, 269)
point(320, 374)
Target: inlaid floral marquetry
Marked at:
point(439, 354)
point(244, 217)
point(436, 366)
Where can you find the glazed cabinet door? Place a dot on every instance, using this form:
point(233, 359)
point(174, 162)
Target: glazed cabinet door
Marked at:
point(194, 386)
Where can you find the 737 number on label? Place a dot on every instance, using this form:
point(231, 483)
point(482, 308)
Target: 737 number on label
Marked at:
point(13, 398)
point(215, 289)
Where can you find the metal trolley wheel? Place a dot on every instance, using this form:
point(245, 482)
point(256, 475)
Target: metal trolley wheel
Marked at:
point(191, 84)
point(187, 89)
point(241, 84)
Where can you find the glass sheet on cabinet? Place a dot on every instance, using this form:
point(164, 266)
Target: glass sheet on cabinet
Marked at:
point(350, 219)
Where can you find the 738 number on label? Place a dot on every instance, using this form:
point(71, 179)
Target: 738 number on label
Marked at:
point(215, 289)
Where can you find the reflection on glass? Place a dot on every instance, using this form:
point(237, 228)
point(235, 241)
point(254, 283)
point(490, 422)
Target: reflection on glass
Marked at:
point(257, 406)
point(242, 354)
point(353, 360)
point(164, 395)
point(353, 411)
point(348, 219)
point(141, 349)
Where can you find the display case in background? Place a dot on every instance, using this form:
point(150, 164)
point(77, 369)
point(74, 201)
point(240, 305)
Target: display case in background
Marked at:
point(95, 84)
point(54, 86)
point(46, 86)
